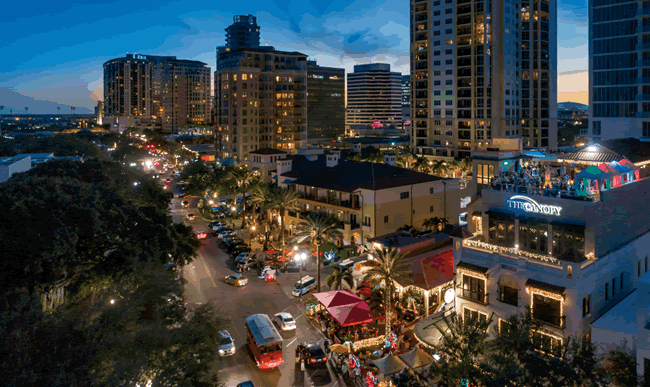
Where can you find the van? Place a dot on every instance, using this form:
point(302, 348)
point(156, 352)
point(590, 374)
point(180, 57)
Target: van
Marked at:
point(304, 286)
point(347, 264)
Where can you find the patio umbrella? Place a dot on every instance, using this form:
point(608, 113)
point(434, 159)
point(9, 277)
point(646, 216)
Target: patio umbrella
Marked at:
point(282, 259)
point(365, 292)
point(339, 348)
point(271, 251)
point(417, 358)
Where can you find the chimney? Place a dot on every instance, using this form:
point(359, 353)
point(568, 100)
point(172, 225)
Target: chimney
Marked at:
point(390, 159)
point(332, 159)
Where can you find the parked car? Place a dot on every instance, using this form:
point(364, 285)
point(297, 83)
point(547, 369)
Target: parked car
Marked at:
point(226, 344)
point(185, 203)
point(241, 249)
point(242, 256)
point(236, 279)
point(190, 216)
point(225, 233)
point(285, 321)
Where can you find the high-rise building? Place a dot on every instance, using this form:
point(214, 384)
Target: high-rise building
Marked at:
point(175, 91)
point(479, 72)
point(406, 97)
point(243, 32)
point(260, 100)
point(325, 102)
point(619, 70)
point(374, 93)
point(99, 112)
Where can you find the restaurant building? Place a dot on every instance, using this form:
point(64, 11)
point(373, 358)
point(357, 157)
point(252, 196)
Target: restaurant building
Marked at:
point(564, 259)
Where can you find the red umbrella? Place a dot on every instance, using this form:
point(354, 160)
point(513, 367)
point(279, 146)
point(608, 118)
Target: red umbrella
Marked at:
point(271, 251)
point(365, 292)
point(287, 251)
point(282, 259)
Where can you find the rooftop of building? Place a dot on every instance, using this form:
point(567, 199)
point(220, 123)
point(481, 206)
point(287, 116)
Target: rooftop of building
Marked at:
point(592, 153)
point(621, 317)
point(202, 148)
point(402, 238)
point(262, 50)
point(375, 140)
point(4, 161)
point(38, 155)
point(268, 151)
point(372, 67)
point(350, 176)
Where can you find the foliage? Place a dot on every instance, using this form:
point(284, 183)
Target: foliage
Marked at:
point(439, 167)
point(261, 195)
point(241, 179)
point(88, 235)
point(421, 164)
point(281, 201)
point(340, 276)
point(318, 226)
point(124, 151)
point(387, 267)
point(620, 367)
point(354, 156)
point(376, 301)
point(60, 145)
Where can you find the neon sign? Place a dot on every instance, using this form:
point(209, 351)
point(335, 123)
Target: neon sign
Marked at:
point(519, 202)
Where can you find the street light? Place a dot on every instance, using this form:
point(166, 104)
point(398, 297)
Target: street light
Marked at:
point(300, 258)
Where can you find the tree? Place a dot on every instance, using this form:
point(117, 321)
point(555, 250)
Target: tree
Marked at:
point(262, 196)
point(620, 367)
point(354, 156)
point(340, 276)
point(465, 166)
point(438, 168)
point(421, 164)
point(283, 200)
point(387, 267)
point(242, 179)
point(318, 226)
point(462, 348)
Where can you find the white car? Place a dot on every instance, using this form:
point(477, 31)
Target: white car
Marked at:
point(241, 257)
point(226, 344)
point(285, 321)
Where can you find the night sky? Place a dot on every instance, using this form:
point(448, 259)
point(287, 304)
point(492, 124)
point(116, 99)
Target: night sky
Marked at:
point(53, 51)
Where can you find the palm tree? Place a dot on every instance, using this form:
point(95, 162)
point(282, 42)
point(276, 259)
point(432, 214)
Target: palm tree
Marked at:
point(438, 168)
point(421, 164)
point(340, 276)
point(262, 196)
point(389, 266)
point(242, 179)
point(465, 166)
point(319, 225)
point(283, 200)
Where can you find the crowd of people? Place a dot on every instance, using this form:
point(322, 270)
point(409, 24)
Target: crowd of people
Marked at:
point(533, 180)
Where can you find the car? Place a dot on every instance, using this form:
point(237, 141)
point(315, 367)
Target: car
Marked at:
point(180, 195)
point(215, 223)
point(190, 216)
point(168, 181)
point(186, 196)
point(312, 354)
point(201, 235)
point(242, 256)
point(235, 243)
point(236, 279)
point(224, 234)
point(185, 203)
point(285, 321)
point(246, 384)
point(241, 249)
point(226, 344)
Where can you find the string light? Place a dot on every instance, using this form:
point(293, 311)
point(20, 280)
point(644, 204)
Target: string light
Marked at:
point(545, 293)
point(470, 273)
point(510, 250)
point(371, 342)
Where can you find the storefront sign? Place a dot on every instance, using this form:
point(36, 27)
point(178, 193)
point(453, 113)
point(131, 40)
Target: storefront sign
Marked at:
point(519, 202)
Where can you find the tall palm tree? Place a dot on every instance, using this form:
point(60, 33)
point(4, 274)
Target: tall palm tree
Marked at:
point(242, 180)
point(389, 266)
point(465, 166)
point(262, 196)
point(283, 200)
point(438, 167)
point(421, 164)
point(340, 276)
point(319, 225)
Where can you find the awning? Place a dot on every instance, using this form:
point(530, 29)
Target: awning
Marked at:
point(275, 177)
point(608, 170)
point(417, 358)
point(353, 314)
point(477, 213)
point(628, 164)
point(592, 172)
point(336, 298)
point(472, 267)
point(390, 364)
point(620, 168)
point(559, 290)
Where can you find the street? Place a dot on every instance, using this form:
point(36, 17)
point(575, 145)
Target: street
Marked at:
point(205, 278)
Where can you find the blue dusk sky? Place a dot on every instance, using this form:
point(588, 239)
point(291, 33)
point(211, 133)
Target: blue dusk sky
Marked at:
point(53, 51)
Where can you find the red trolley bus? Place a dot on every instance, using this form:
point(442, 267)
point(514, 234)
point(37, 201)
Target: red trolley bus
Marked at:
point(264, 341)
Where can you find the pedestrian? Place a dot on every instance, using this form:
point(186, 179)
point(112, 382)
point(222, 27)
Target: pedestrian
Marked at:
point(326, 344)
point(357, 374)
point(344, 369)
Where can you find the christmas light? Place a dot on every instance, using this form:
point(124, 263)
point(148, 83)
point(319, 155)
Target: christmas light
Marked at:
point(470, 273)
point(510, 250)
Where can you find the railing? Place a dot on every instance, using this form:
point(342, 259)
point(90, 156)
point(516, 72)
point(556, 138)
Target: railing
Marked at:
point(554, 321)
point(643, 12)
point(474, 297)
point(330, 200)
point(643, 97)
point(552, 192)
point(584, 132)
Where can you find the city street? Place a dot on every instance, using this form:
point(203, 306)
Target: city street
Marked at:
point(205, 278)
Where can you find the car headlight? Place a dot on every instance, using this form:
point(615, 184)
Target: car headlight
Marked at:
point(222, 352)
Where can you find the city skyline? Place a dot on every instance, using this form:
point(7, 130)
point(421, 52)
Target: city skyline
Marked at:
point(71, 73)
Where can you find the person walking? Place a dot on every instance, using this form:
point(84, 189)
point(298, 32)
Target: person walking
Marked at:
point(357, 374)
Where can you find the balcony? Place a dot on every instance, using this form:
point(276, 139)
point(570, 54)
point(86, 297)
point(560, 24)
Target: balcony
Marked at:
point(584, 132)
point(328, 201)
point(472, 296)
point(353, 226)
point(643, 97)
point(554, 321)
point(643, 47)
point(643, 12)
point(642, 115)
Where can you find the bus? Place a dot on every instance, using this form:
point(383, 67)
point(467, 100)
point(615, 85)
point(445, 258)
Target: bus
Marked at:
point(264, 341)
point(304, 286)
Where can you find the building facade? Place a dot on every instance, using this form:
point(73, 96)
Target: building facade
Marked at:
point(406, 97)
point(325, 102)
point(564, 261)
point(99, 112)
point(175, 91)
point(243, 32)
point(480, 71)
point(260, 100)
point(619, 70)
point(373, 93)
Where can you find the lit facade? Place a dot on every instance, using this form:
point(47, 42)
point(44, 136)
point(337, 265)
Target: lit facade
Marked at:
point(481, 71)
point(373, 93)
point(325, 102)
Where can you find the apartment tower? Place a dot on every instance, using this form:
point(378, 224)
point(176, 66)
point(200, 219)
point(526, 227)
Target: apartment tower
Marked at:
point(406, 96)
point(176, 91)
point(260, 99)
point(325, 102)
point(374, 93)
point(481, 70)
point(619, 69)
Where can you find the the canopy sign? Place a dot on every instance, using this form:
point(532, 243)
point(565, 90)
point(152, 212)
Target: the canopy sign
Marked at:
point(519, 202)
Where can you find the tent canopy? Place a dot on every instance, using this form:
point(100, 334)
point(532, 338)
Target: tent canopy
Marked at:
point(620, 168)
point(628, 164)
point(592, 172)
point(390, 364)
point(353, 314)
point(336, 298)
point(417, 358)
point(608, 170)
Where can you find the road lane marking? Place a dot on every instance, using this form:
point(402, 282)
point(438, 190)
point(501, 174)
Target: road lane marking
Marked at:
point(207, 269)
point(292, 341)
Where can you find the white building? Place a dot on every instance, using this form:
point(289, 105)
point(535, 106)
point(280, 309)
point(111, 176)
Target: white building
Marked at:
point(15, 164)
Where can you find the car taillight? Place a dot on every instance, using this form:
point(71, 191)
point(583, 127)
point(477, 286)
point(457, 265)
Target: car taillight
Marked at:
point(325, 358)
point(312, 360)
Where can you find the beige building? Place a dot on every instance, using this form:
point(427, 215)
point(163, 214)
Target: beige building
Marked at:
point(264, 162)
point(372, 199)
